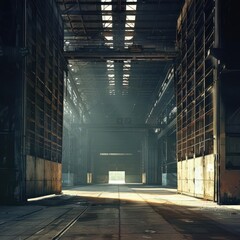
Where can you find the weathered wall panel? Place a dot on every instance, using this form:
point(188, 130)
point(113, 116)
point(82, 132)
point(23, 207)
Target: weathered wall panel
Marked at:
point(196, 177)
point(42, 177)
point(179, 176)
point(209, 177)
point(194, 89)
point(191, 175)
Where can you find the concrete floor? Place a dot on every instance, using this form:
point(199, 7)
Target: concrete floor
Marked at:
point(128, 212)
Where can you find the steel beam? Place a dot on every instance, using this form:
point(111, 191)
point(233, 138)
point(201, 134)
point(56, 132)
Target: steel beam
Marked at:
point(142, 29)
point(119, 126)
point(98, 54)
point(163, 12)
point(73, 2)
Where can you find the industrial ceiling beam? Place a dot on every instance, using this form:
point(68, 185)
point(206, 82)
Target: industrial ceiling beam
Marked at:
point(95, 21)
point(101, 55)
point(72, 2)
point(119, 126)
point(95, 29)
point(71, 12)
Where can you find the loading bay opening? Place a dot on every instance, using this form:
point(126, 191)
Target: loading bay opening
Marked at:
point(116, 177)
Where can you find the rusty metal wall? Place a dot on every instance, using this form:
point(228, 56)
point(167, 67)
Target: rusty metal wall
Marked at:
point(42, 177)
point(44, 98)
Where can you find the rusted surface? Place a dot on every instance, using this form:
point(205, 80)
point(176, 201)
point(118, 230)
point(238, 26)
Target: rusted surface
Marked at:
point(42, 177)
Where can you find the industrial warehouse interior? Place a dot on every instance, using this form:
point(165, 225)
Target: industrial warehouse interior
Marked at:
point(120, 119)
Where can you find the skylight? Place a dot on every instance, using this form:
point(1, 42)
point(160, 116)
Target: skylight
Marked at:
point(128, 41)
point(106, 7)
point(127, 38)
point(107, 20)
point(127, 65)
point(108, 25)
point(130, 25)
point(106, 17)
point(131, 7)
point(109, 38)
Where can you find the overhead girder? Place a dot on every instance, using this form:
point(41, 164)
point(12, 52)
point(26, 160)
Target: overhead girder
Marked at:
point(74, 2)
point(70, 12)
point(87, 21)
point(95, 29)
point(99, 54)
point(119, 126)
point(78, 35)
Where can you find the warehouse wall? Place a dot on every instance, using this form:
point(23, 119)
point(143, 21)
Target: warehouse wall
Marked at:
point(114, 150)
point(31, 98)
point(42, 177)
point(12, 185)
point(230, 103)
point(230, 139)
point(44, 97)
point(130, 164)
point(167, 157)
point(208, 117)
point(195, 106)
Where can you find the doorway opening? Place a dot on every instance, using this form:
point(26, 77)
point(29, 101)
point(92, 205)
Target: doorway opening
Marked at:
point(116, 177)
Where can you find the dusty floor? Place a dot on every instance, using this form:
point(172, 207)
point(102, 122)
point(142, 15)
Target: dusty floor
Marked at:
point(128, 212)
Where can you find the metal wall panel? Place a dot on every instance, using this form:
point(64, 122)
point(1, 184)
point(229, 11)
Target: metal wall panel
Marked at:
point(44, 97)
point(44, 74)
point(194, 90)
point(196, 177)
point(42, 177)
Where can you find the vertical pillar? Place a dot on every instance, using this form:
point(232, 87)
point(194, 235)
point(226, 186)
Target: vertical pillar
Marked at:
point(88, 155)
point(20, 106)
point(216, 107)
point(150, 158)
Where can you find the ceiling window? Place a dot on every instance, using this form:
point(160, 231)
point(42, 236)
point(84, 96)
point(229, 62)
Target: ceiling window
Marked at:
point(128, 41)
point(108, 25)
point(111, 76)
point(107, 21)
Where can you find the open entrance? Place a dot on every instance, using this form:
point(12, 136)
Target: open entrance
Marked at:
point(116, 177)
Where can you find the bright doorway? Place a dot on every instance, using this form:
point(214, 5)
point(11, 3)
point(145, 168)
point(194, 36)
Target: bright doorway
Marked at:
point(116, 177)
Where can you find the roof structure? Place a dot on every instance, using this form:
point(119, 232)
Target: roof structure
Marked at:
point(119, 52)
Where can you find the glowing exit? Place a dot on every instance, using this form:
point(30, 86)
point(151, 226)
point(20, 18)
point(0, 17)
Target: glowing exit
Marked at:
point(116, 177)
